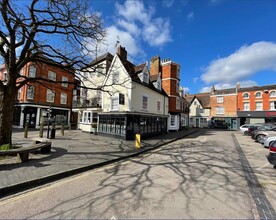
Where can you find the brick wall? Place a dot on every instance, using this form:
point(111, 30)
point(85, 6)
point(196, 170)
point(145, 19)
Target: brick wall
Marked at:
point(229, 104)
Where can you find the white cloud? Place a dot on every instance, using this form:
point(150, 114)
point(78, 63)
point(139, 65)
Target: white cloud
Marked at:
point(190, 16)
point(167, 3)
point(130, 27)
point(135, 19)
point(246, 83)
point(186, 89)
point(157, 32)
point(242, 64)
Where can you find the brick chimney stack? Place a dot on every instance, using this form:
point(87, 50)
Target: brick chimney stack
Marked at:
point(122, 52)
point(213, 89)
point(154, 65)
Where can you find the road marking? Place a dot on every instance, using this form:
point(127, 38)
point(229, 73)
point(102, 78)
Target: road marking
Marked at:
point(265, 165)
point(253, 152)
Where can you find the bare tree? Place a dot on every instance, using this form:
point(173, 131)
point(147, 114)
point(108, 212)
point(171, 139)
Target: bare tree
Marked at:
point(54, 32)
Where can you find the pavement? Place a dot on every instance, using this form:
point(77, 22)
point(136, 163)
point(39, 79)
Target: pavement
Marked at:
point(71, 153)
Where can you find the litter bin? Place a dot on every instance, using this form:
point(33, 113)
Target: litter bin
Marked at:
point(52, 133)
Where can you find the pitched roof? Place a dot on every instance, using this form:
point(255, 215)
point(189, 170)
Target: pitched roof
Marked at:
point(256, 88)
point(203, 98)
point(224, 91)
point(106, 56)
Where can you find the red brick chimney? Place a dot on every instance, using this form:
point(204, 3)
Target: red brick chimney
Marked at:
point(154, 65)
point(122, 52)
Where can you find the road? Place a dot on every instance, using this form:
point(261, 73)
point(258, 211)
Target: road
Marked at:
point(196, 177)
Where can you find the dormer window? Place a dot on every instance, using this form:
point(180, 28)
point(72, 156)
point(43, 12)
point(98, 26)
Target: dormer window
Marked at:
point(245, 95)
point(158, 85)
point(258, 95)
point(145, 77)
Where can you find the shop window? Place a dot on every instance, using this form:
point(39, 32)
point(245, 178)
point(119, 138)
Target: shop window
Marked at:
point(173, 121)
point(191, 120)
point(86, 117)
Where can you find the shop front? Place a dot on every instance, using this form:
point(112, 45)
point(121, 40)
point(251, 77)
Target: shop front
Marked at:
point(253, 117)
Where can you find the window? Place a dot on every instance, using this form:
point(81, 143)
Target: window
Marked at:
point(245, 95)
point(64, 79)
point(195, 102)
point(114, 105)
point(258, 95)
point(177, 87)
point(178, 73)
point(202, 110)
point(32, 71)
point(273, 105)
point(50, 96)
point(177, 103)
point(158, 105)
point(220, 110)
point(173, 120)
point(84, 92)
point(191, 120)
point(52, 76)
point(272, 94)
point(146, 77)
point(220, 99)
point(246, 106)
point(158, 85)
point(259, 106)
point(30, 92)
point(115, 78)
point(145, 102)
point(86, 117)
point(63, 98)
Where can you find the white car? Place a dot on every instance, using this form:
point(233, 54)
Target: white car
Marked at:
point(268, 140)
point(244, 128)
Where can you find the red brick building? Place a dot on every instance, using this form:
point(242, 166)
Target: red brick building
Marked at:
point(223, 104)
point(257, 104)
point(170, 76)
point(34, 99)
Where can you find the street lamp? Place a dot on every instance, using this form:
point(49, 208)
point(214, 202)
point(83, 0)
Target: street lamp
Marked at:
point(49, 111)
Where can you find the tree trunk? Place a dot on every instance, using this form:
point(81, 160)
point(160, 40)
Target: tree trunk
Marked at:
point(7, 100)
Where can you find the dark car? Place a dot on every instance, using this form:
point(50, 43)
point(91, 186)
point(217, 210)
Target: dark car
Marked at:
point(264, 127)
point(252, 128)
point(272, 154)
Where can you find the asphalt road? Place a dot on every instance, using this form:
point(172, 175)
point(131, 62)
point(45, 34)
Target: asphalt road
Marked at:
point(196, 177)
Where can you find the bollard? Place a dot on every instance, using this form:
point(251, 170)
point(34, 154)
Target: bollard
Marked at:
point(26, 130)
point(62, 128)
point(41, 130)
point(137, 140)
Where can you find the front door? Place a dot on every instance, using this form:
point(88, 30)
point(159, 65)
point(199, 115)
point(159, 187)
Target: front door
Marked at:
point(197, 122)
point(234, 124)
point(30, 117)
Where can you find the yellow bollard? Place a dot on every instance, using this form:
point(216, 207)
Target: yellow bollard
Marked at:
point(137, 140)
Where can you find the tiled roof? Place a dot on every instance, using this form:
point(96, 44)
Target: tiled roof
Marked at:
point(204, 99)
point(224, 91)
point(99, 59)
point(256, 88)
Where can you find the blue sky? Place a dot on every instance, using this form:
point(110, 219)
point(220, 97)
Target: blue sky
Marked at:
point(216, 42)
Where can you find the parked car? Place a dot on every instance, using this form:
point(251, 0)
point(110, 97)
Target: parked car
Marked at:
point(263, 127)
point(262, 133)
point(244, 128)
point(268, 140)
point(252, 128)
point(272, 154)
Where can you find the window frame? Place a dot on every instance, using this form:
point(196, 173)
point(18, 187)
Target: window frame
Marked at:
point(146, 103)
point(218, 99)
point(112, 99)
point(243, 95)
point(63, 96)
point(273, 91)
point(258, 92)
point(29, 92)
point(64, 84)
point(32, 71)
point(257, 107)
point(274, 105)
point(48, 94)
point(220, 110)
point(246, 109)
point(51, 74)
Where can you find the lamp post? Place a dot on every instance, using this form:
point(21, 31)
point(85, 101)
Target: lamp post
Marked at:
point(49, 111)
